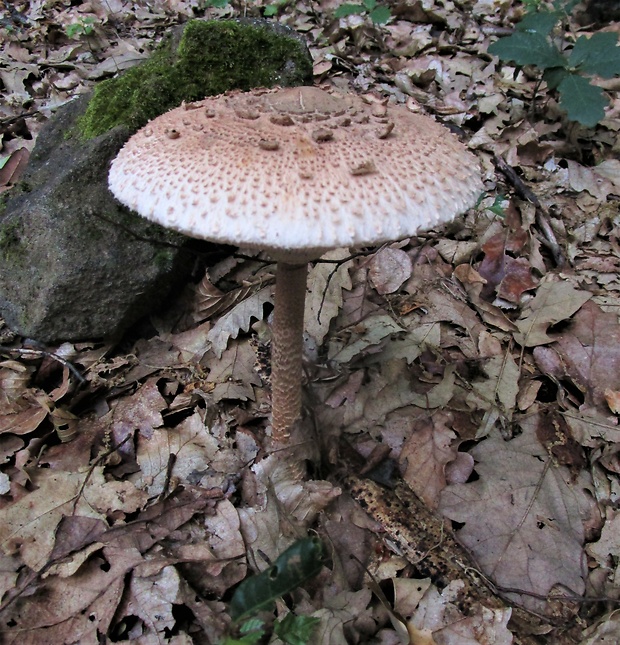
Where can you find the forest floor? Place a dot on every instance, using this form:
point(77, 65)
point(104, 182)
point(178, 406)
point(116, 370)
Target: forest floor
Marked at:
point(478, 363)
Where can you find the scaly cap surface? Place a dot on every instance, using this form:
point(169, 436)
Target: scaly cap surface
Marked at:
point(295, 171)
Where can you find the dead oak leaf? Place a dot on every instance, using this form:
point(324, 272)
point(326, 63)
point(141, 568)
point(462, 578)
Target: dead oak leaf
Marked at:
point(554, 301)
point(425, 455)
point(234, 373)
point(523, 516)
point(28, 526)
point(324, 297)
point(590, 352)
point(239, 319)
point(69, 610)
point(193, 446)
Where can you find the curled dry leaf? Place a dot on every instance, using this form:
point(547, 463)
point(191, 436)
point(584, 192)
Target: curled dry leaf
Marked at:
point(238, 319)
point(389, 269)
point(613, 400)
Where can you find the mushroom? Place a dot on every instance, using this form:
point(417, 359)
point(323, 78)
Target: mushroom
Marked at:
point(294, 172)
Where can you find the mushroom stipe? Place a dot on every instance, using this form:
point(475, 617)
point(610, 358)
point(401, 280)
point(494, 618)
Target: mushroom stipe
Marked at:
point(295, 172)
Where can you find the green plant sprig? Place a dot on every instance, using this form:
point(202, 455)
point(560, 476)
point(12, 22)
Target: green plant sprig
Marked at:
point(564, 70)
point(379, 14)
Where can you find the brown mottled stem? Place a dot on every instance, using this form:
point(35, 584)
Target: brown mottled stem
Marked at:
point(286, 348)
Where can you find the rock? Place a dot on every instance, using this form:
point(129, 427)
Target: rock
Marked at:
point(74, 264)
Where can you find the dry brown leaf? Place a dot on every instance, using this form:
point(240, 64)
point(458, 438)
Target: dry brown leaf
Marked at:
point(324, 296)
point(554, 301)
point(389, 269)
point(193, 447)
point(437, 613)
point(70, 610)
point(523, 516)
point(496, 393)
point(352, 342)
point(425, 454)
point(589, 350)
point(339, 611)
point(28, 526)
point(390, 388)
point(234, 374)
point(238, 319)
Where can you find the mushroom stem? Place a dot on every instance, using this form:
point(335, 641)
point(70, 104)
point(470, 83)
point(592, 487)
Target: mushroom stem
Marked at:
point(287, 347)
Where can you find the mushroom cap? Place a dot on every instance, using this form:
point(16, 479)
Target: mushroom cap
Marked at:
point(295, 171)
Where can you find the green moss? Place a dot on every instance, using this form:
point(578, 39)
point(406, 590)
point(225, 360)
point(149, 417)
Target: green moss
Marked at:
point(11, 246)
point(164, 259)
point(211, 58)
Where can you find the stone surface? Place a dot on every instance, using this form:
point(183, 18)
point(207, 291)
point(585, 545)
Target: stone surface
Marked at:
point(74, 264)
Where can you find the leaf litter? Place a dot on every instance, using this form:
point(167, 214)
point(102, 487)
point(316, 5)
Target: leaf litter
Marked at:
point(477, 363)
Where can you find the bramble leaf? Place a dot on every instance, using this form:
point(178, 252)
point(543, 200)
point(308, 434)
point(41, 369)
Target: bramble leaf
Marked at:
point(582, 101)
point(598, 54)
point(528, 48)
point(345, 10)
point(540, 22)
point(380, 15)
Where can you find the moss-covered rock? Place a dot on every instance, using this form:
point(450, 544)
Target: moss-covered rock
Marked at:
point(74, 263)
point(203, 58)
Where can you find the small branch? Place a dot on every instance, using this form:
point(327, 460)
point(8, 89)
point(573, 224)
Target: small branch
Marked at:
point(542, 216)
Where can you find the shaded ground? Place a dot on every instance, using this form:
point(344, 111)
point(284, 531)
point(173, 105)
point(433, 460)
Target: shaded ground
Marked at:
point(480, 362)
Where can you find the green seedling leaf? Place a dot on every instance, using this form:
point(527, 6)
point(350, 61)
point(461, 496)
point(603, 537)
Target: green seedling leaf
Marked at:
point(528, 48)
point(582, 101)
point(369, 4)
point(539, 22)
point(301, 561)
point(296, 630)
point(250, 632)
point(498, 206)
point(270, 10)
point(554, 76)
point(598, 54)
point(345, 10)
point(380, 15)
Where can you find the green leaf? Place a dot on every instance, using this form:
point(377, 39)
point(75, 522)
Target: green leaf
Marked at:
point(345, 10)
point(73, 30)
point(554, 76)
point(219, 4)
point(498, 206)
point(528, 48)
point(369, 4)
point(301, 561)
point(539, 22)
point(380, 15)
point(296, 630)
point(582, 101)
point(270, 10)
point(251, 631)
point(598, 54)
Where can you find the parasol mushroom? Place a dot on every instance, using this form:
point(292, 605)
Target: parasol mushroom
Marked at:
point(294, 172)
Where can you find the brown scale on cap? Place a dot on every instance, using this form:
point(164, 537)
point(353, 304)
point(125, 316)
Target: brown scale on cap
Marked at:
point(313, 170)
